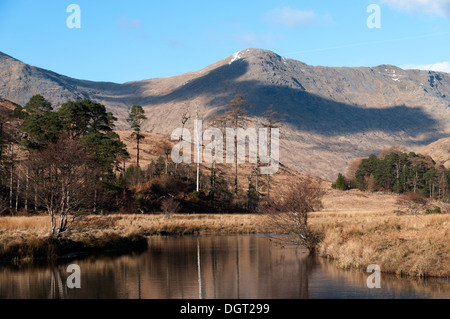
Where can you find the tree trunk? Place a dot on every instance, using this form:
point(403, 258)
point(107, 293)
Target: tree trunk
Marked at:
point(415, 182)
point(26, 190)
point(256, 181)
point(138, 140)
point(213, 185)
point(11, 181)
point(18, 188)
point(235, 167)
point(53, 230)
point(94, 209)
point(270, 157)
point(35, 199)
point(167, 165)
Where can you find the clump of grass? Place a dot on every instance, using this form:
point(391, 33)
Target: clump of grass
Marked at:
point(415, 246)
point(30, 249)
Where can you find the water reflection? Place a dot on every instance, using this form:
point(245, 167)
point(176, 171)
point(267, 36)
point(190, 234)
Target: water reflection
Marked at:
point(245, 267)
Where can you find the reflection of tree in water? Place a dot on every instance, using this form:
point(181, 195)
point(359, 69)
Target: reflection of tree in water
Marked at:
point(207, 267)
point(100, 278)
point(227, 267)
point(58, 287)
point(289, 270)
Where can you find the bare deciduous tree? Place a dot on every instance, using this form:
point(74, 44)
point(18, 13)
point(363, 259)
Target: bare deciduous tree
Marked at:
point(413, 202)
point(290, 216)
point(61, 177)
point(170, 206)
point(350, 173)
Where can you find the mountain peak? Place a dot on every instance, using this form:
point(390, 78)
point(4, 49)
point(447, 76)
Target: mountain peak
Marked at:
point(252, 52)
point(333, 114)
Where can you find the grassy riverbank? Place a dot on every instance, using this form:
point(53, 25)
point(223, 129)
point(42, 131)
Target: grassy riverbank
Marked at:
point(414, 246)
point(26, 238)
point(360, 229)
point(357, 232)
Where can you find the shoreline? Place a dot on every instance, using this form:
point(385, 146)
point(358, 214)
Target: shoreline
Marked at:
point(99, 234)
point(407, 246)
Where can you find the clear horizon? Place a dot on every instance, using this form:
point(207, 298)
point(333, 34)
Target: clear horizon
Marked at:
point(141, 40)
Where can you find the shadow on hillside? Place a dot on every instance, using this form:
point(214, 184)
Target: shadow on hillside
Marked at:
point(306, 112)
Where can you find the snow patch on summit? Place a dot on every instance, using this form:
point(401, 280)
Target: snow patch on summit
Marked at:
point(236, 57)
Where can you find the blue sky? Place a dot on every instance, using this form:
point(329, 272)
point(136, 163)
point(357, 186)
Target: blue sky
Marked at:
point(122, 41)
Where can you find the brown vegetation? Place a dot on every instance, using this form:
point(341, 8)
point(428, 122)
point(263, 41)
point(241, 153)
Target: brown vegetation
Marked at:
point(60, 176)
point(26, 238)
point(359, 229)
point(416, 246)
point(152, 148)
point(169, 207)
point(290, 216)
point(413, 202)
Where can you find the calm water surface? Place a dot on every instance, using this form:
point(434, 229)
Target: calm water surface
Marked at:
point(236, 267)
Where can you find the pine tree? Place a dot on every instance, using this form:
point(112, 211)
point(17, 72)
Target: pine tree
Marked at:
point(340, 183)
point(41, 125)
point(136, 118)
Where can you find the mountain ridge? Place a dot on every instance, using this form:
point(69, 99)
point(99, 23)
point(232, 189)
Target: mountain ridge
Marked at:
point(334, 113)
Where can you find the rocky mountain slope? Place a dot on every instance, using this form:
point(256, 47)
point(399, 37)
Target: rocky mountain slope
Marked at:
point(439, 151)
point(333, 114)
point(6, 107)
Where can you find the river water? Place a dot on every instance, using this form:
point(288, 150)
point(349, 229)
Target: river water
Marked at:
point(216, 267)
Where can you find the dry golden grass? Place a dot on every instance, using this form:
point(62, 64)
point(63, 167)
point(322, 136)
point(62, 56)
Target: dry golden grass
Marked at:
point(185, 224)
point(96, 227)
point(26, 238)
point(358, 229)
point(417, 246)
point(21, 228)
point(27, 223)
point(358, 202)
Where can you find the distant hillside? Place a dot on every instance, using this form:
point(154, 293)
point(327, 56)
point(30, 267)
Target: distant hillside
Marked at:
point(152, 148)
point(439, 151)
point(333, 114)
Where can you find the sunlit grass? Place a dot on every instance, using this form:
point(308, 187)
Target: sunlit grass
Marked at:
point(416, 246)
point(24, 223)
